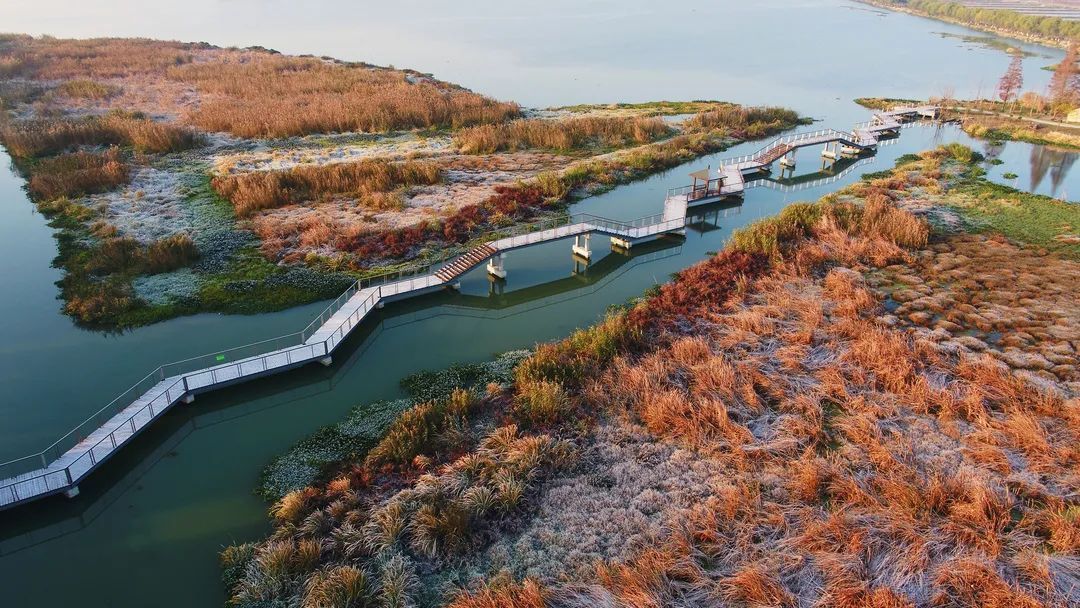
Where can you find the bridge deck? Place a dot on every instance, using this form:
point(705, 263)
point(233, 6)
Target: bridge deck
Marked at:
point(74, 464)
point(170, 384)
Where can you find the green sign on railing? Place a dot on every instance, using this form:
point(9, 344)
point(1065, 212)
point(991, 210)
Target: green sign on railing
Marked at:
point(221, 357)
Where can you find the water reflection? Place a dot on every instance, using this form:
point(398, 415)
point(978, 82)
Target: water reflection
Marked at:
point(1055, 161)
point(992, 149)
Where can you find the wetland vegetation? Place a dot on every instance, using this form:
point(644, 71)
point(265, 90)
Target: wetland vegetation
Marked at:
point(169, 169)
point(1050, 30)
point(808, 379)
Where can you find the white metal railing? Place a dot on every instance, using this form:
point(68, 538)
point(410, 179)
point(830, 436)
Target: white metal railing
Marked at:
point(171, 382)
point(795, 138)
point(174, 380)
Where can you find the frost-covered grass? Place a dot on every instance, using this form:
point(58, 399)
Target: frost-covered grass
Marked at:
point(432, 385)
point(351, 438)
point(302, 465)
point(168, 288)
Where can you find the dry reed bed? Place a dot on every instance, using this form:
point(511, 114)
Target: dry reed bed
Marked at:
point(279, 96)
point(741, 121)
point(251, 93)
point(49, 58)
point(989, 127)
point(372, 182)
point(561, 135)
point(864, 465)
point(78, 174)
point(28, 139)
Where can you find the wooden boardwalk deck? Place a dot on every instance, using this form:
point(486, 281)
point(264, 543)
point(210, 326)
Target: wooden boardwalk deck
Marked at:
point(60, 467)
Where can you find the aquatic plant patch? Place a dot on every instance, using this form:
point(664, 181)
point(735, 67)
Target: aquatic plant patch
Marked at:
point(437, 385)
point(366, 424)
point(306, 461)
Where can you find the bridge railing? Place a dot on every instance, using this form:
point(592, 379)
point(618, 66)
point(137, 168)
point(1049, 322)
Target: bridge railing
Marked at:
point(237, 361)
point(240, 361)
point(693, 192)
point(787, 140)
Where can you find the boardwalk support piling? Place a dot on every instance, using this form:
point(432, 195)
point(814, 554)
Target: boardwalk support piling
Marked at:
point(621, 243)
point(71, 492)
point(831, 150)
point(580, 266)
point(495, 266)
point(188, 398)
point(326, 361)
point(582, 250)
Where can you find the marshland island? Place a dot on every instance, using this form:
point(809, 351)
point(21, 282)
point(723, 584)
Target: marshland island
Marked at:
point(866, 392)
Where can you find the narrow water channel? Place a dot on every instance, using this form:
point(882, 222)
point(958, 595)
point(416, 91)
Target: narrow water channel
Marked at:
point(146, 528)
point(155, 516)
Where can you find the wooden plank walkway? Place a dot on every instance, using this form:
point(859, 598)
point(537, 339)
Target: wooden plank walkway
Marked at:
point(59, 470)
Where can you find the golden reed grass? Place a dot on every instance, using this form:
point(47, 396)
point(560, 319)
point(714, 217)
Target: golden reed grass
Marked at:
point(560, 135)
point(277, 96)
point(250, 192)
point(78, 174)
point(28, 139)
point(255, 92)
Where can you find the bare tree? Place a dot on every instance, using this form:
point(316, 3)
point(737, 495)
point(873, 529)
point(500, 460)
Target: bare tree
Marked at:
point(1013, 80)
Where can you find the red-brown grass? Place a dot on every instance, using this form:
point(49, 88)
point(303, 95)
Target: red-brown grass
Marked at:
point(861, 460)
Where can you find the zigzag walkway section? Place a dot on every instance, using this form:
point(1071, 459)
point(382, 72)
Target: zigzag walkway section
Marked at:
point(60, 467)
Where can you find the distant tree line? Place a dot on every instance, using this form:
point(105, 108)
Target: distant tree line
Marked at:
point(1048, 27)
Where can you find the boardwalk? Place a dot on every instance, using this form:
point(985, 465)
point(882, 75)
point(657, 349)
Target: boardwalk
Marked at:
point(61, 466)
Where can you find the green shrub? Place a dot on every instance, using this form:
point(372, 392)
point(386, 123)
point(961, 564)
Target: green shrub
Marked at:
point(87, 89)
point(582, 355)
point(769, 236)
point(540, 404)
point(962, 153)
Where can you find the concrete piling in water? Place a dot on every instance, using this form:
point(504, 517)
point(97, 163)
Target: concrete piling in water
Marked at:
point(582, 250)
point(496, 267)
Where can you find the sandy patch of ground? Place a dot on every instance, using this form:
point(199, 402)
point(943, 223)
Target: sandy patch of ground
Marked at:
point(159, 98)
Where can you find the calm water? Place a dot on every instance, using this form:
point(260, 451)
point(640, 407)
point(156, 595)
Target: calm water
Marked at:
point(146, 528)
